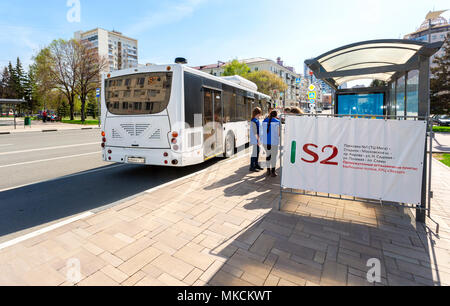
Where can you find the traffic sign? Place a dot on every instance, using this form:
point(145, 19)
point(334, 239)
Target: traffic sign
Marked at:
point(312, 95)
point(298, 80)
point(98, 92)
point(312, 88)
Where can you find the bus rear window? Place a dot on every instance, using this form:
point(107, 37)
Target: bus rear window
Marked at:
point(140, 94)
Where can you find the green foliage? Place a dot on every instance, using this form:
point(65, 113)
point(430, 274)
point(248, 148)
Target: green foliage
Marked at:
point(236, 68)
point(378, 83)
point(63, 109)
point(440, 82)
point(86, 122)
point(267, 82)
point(92, 107)
point(441, 129)
point(443, 158)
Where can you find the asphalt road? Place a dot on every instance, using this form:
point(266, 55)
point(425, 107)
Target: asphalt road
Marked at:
point(47, 177)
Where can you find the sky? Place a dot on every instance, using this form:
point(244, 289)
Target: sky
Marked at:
point(205, 31)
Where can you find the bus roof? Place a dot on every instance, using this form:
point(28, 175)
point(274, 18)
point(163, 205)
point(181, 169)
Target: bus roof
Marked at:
point(221, 80)
point(184, 68)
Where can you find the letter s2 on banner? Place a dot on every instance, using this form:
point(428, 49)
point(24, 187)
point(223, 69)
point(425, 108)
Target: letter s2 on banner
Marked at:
point(367, 158)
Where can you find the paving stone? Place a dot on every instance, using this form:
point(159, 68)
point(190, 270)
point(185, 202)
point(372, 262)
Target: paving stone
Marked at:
point(222, 278)
point(137, 262)
point(295, 272)
point(193, 277)
point(134, 248)
point(97, 280)
point(333, 274)
point(212, 270)
point(111, 259)
point(114, 274)
point(263, 245)
point(107, 242)
point(169, 280)
point(43, 276)
point(173, 266)
point(272, 281)
point(152, 271)
point(134, 279)
point(171, 240)
point(148, 281)
point(194, 257)
point(252, 279)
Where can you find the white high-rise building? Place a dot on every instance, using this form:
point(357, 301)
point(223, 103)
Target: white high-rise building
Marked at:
point(121, 51)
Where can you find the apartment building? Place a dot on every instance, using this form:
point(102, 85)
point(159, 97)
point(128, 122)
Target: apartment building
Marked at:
point(434, 28)
point(277, 67)
point(121, 51)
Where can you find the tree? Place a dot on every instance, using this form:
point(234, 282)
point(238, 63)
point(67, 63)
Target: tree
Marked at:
point(5, 90)
point(440, 82)
point(88, 73)
point(267, 82)
point(378, 83)
point(236, 68)
point(43, 82)
point(63, 64)
point(92, 107)
point(62, 109)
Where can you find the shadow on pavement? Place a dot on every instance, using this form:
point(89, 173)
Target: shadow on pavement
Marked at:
point(45, 202)
point(316, 241)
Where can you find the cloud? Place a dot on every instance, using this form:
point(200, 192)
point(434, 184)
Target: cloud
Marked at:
point(171, 13)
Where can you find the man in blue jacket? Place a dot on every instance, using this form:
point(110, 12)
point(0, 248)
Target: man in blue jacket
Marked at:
point(271, 141)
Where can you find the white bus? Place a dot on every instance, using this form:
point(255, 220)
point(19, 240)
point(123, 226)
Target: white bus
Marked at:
point(174, 115)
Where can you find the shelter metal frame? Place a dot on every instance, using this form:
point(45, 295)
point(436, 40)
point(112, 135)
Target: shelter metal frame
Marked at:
point(14, 103)
point(388, 60)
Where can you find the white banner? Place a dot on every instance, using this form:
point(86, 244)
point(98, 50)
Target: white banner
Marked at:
point(367, 158)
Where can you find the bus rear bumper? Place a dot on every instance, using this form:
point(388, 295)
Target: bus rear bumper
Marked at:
point(153, 157)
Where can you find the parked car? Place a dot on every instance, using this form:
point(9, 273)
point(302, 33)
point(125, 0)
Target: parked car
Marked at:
point(442, 120)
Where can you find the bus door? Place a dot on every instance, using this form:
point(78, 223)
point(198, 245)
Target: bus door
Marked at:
point(212, 125)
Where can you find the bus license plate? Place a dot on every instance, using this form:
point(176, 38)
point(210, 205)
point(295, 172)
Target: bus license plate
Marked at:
point(136, 160)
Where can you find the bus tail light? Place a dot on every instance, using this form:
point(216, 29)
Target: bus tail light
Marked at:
point(103, 134)
point(175, 134)
point(176, 147)
point(166, 154)
point(174, 141)
point(103, 145)
point(174, 162)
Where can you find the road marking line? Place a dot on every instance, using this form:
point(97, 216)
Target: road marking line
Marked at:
point(5, 145)
point(44, 230)
point(62, 177)
point(52, 148)
point(90, 213)
point(50, 159)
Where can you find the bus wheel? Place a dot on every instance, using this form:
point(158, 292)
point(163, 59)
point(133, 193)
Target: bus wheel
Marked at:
point(229, 146)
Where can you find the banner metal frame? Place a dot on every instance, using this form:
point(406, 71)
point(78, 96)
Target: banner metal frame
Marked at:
point(427, 194)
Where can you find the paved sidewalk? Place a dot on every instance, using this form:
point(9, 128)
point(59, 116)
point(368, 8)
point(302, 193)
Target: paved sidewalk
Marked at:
point(38, 126)
point(441, 143)
point(220, 228)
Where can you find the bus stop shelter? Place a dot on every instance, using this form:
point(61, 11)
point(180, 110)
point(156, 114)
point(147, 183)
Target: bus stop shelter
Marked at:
point(7, 104)
point(403, 66)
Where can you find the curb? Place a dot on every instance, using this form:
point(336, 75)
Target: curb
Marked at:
point(50, 130)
